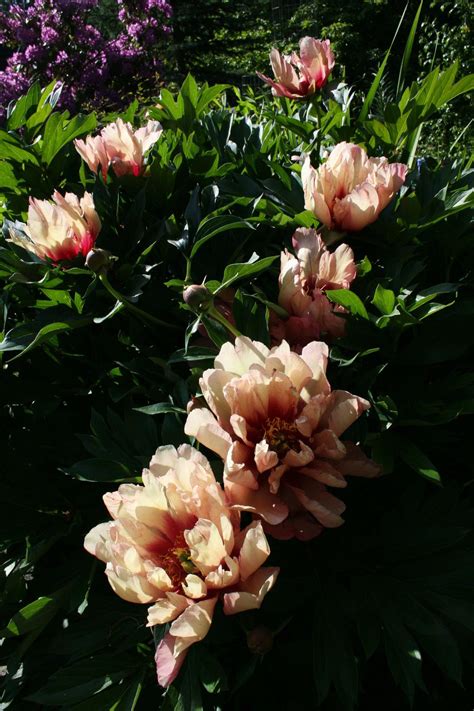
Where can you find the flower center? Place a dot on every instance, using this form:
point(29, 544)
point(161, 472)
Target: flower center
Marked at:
point(281, 435)
point(177, 561)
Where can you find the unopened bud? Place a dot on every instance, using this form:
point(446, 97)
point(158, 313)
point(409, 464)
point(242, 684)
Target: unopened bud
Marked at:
point(260, 640)
point(198, 297)
point(98, 260)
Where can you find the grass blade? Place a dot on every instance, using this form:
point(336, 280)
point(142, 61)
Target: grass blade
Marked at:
point(369, 99)
point(407, 52)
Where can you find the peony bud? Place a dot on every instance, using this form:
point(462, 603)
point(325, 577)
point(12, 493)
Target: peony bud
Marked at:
point(98, 260)
point(197, 297)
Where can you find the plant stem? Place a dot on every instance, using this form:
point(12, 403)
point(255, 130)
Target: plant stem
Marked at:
point(187, 278)
point(217, 316)
point(131, 307)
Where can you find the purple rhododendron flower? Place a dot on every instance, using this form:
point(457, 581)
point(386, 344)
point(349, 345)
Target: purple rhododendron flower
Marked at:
point(57, 39)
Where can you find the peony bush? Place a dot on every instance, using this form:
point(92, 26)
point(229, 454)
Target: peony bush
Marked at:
point(240, 322)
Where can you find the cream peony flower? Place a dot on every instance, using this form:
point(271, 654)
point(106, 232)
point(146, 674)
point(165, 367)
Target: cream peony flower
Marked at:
point(59, 229)
point(304, 279)
point(276, 424)
point(350, 190)
point(174, 542)
point(119, 146)
point(298, 76)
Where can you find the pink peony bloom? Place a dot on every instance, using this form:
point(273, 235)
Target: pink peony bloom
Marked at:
point(60, 229)
point(119, 146)
point(174, 542)
point(298, 76)
point(304, 279)
point(276, 424)
point(350, 190)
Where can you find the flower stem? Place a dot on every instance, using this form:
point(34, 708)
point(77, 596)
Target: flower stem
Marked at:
point(131, 307)
point(187, 278)
point(217, 316)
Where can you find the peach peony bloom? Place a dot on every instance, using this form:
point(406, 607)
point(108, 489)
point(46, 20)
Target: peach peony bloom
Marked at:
point(119, 146)
point(304, 279)
point(276, 424)
point(60, 229)
point(175, 543)
point(350, 190)
point(298, 76)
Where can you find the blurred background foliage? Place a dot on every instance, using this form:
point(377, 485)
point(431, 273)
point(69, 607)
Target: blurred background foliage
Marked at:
point(228, 40)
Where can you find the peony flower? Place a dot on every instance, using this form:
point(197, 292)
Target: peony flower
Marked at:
point(298, 76)
point(174, 542)
point(119, 146)
point(350, 190)
point(60, 229)
point(304, 279)
point(276, 424)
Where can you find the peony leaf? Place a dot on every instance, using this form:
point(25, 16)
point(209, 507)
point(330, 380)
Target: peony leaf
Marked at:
point(349, 300)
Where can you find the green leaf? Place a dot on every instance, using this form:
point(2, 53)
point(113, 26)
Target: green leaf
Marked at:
point(215, 330)
point(364, 267)
point(408, 52)
point(211, 673)
point(212, 226)
point(100, 470)
point(384, 300)
point(11, 149)
point(371, 94)
point(25, 103)
point(349, 300)
point(59, 131)
point(28, 336)
point(244, 270)
point(36, 614)
point(196, 353)
point(159, 408)
point(8, 180)
point(82, 680)
point(412, 455)
point(251, 317)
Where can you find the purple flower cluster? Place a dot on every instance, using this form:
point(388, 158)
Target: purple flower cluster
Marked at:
point(60, 39)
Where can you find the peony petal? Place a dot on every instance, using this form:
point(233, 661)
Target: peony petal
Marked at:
point(324, 507)
point(202, 425)
point(254, 550)
point(251, 592)
point(194, 587)
point(265, 458)
point(225, 575)
point(356, 463)
point(206, 547)
point(167, 609)
point(168, 663)
point(342, 410)
point(238, 357)
point(193, 624)
point(261, 502)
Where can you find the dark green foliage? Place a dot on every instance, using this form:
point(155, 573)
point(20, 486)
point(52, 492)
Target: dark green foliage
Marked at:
point(376, 614)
